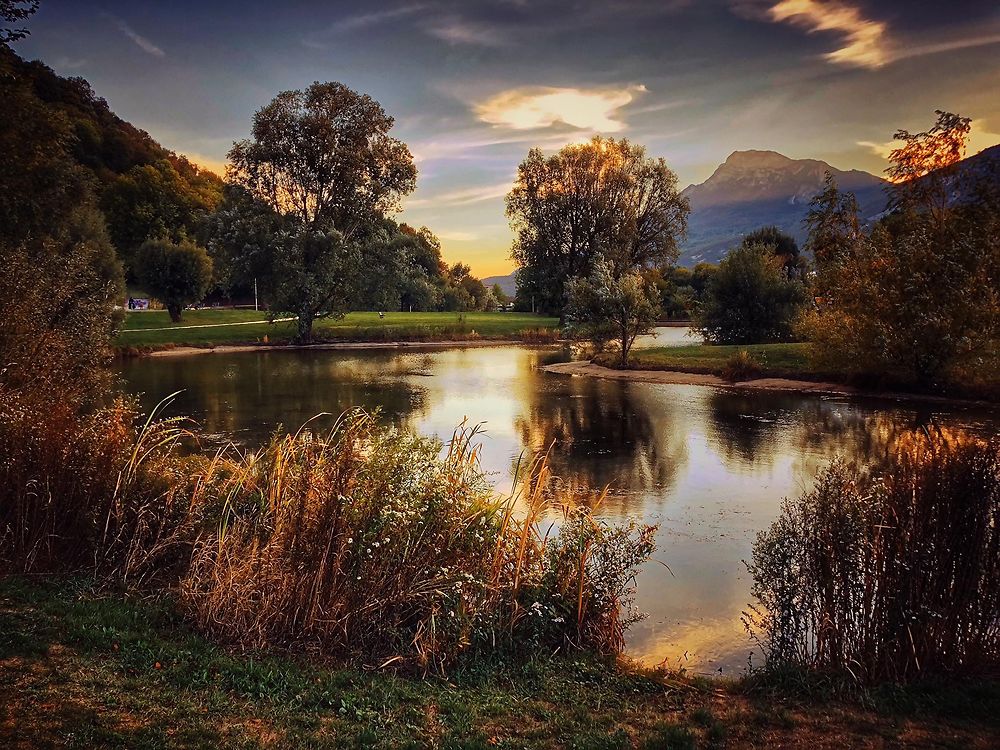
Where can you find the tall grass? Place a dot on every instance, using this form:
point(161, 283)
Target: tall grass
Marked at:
point(91, 490)
point(366, 543)
point(889, 573)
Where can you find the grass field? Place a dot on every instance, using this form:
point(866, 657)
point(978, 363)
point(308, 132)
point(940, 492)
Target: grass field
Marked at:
point(85, 670)
point(212, 327)
point(790, 360)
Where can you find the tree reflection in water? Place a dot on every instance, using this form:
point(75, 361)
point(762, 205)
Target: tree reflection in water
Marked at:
point(605, 433)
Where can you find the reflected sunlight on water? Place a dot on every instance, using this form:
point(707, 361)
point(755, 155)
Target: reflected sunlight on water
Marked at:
point(709, 465)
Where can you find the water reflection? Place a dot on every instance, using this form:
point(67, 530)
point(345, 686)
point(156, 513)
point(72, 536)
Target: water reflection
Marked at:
point(604, 433)
point(709, 465)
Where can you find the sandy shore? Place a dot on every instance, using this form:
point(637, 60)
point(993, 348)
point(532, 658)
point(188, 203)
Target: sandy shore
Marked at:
point(689, 378)
point(183, 351)
point(819, 388)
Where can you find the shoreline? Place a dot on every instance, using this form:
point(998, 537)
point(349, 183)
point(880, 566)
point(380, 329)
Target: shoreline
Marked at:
point(587, 368)
point(183, 351)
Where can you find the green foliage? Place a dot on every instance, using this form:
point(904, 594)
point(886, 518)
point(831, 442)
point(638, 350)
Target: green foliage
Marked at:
point(153, 201)
point(833, 225)
point(604, 306)
point(311, 275)
point(325, 156)
point(917, 300)
point(152, 192)
point(889, 573)
point(176, 274)
point(783, 245)
point(750, 299)
point(602, 197)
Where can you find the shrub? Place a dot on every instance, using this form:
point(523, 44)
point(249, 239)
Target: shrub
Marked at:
point(750, 299)
point(176, 274)
point(889, 573)
point(365, 543)
point(742, 365)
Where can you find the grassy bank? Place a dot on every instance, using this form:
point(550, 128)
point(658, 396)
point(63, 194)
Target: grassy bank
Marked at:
point(216, 327)
point(79, 669)
point(776, 360)
point(795, 362)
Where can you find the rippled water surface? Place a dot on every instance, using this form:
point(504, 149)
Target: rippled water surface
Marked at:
point(709, 465)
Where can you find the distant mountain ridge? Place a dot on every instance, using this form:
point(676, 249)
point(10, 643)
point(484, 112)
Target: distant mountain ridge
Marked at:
point(507, 283)
point(752, 189)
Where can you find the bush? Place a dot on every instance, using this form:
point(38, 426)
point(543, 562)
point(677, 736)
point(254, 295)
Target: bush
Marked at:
point(93, 492)
point(750, 299)
point(176, 274)
point(889, 573)
point(742, 365)
point(365, 543)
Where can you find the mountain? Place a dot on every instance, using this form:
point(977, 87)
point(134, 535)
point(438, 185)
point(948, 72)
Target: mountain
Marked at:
point(507, 283)
point(758, 188)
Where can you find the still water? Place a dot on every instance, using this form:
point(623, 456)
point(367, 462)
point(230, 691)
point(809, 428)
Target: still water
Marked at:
point(710, 466)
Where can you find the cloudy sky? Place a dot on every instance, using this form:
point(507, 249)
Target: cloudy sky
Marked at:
point(474, 84)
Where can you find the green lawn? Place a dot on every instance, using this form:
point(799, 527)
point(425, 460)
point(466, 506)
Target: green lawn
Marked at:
point(83, 669)
point(775, 359)
point(153, 328)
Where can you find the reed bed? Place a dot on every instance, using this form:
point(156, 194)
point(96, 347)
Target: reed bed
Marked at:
point(367, 543)
point(88, 491)
point(888, 574)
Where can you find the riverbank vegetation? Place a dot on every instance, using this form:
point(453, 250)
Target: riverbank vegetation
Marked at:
point(216, 327)
point(887, 573)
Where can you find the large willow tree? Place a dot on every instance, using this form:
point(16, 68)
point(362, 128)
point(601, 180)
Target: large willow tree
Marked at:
point(602, 197)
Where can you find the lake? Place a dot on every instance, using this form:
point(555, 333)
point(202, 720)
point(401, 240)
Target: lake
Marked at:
point(709, 465)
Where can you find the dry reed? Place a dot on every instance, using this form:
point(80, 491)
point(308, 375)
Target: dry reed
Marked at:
point(891, 573)
point(367, 543)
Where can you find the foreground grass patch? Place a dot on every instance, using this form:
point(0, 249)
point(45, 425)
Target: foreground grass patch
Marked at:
point(213, 327)
point(79, 669)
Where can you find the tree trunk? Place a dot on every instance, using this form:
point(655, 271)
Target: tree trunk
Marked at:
point(304, 335)
point(175, 312)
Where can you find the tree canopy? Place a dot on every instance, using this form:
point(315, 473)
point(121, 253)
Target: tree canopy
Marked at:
point(606, 307)
point(917, 298)
point(177, 274)
point(325, 156)
point(750, 299)
point(602, 197)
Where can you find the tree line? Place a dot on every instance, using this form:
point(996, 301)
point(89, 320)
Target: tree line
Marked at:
point(304, 216)
point(912, 296)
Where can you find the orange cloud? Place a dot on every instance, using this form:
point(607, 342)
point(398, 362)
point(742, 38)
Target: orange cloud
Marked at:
point(865, 43)
point(541, 107)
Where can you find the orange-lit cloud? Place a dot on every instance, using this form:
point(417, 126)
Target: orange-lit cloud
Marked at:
point(542, 107)
point(457, 236)
point(864, 40)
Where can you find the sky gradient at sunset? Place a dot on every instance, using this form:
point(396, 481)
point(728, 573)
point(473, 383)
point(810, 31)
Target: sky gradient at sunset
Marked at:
point(474, 85)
